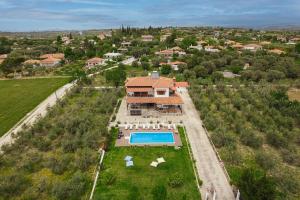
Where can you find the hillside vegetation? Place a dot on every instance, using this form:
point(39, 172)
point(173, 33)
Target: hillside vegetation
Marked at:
point(256, 131)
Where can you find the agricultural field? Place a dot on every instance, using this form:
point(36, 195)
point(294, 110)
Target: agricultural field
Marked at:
point(173, 179)
point(256, 131)
point(18, 97)
point(56, 158)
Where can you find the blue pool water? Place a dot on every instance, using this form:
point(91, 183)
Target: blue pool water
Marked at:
point(151, 138)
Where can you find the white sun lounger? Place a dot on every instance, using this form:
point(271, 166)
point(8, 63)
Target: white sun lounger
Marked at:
point(174, 126)
point(160, 160)
point(154, 164)
point(136, 127)
point(154, 126)
point(148, 126)
point(169, 126)
point(144, 126)
point(158, 126)
point(126, 127)
point(130, 126)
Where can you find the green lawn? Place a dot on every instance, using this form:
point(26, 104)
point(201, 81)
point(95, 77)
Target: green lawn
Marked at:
point(18, 97)
point(137, 182)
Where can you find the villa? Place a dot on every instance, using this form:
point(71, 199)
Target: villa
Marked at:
point(175, 65)
point(94, 62)
point(112, 55)
point(50, 62)
point(252, 47)
point(147, 96)
point(168, 53)
point(147, 38)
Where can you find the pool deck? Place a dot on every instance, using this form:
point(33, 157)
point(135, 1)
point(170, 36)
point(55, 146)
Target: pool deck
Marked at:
point(124, 141)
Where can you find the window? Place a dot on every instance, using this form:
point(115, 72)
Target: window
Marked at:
point(161, 92)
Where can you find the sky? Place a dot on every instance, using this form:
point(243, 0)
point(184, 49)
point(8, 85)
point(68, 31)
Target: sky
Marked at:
point(38, 15)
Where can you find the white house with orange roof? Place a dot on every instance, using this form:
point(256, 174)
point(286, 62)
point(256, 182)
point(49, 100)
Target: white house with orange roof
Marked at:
point(252, 47)
point(147, 38)
point(51, 60)
point(152, 94)
point(90, 63)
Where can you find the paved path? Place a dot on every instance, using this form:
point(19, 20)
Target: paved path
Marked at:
point(208, 166)
point(38, 111)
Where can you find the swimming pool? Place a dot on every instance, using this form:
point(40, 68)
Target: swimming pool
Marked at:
point(151, 138)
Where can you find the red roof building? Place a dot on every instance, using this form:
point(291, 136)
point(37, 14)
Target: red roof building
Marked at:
point(153, 93)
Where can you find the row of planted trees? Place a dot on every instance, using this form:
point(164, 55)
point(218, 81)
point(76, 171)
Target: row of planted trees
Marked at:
point(256, 131)
point(56, 157)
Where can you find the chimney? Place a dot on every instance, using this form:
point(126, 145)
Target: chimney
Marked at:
point(155, 75)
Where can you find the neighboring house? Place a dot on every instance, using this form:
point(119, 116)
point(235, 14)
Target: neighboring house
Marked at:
point(198, 47)
point(252, 47)
point(153, 93)
point(211, 49)
point(112, 55)
point(228, 74)
point(66, 40)
point(276, 51)
point(50, 62)
point(125, 44)
point(147, 38)
point(94, 62)
point(265, 43)
point(174, 64)
point(53, 55)
point(237, 46)
point(168, 53)
point(34, 63)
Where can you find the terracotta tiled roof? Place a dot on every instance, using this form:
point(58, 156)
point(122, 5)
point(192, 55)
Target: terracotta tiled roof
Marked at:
point(160, 82)
point(49, 60)
point(94, 60)
point(173, 100)
point(181, 84)
point(31, 62)
point(54, 55)
point(276, 51)
point(139, 89)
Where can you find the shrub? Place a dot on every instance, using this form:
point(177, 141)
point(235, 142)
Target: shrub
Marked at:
point(176, 180)
point(12, 185)
point(250, 139)
point(71, 189)
point(159, 192)
point(108, 177)
point(265, 160)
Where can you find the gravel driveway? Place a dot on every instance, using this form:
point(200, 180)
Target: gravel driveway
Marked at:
point(207, 163)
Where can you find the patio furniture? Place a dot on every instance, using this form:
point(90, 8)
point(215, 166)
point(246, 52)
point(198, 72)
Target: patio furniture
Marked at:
point(154, 164)
point(174, 126)
point(160, 160)
point(126, 127)
point(136, 127)
point(144, 126)
point(129, 163)
point(169, 126)
point(130, 126)
point(128, 158)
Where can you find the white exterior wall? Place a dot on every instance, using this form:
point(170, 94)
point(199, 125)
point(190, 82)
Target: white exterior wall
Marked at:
point(167, 93)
